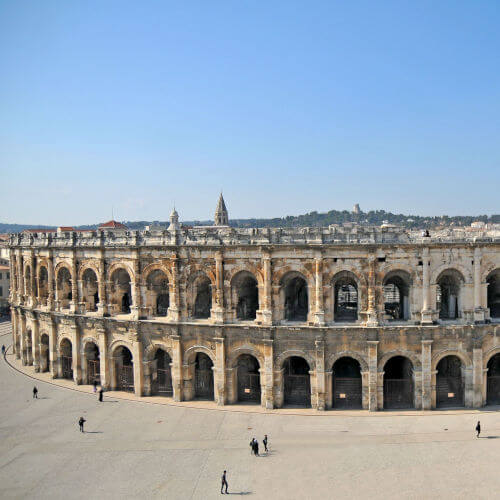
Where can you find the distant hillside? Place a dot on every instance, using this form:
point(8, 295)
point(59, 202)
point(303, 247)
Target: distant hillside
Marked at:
point(375, 218)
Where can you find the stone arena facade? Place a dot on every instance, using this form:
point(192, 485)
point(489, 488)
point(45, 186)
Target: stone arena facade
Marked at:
point(337, 317)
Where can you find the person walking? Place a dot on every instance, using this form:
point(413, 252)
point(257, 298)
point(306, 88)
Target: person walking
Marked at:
point(256, 448)
point(35, 393)
point(100, 394)
point(3, 350)
point(223, 483)
point(80, 423)
point(478, 428)
point(95, 386)
point(252, 446)
point(264, 442)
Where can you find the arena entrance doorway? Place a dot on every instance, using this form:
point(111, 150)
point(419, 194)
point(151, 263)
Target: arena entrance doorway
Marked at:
point(124, 369)
point(297, 382)
point(248, 379)
point(493, 381)
point(163, 383)
point(398, 384)
point(93, 364)
point(203, 377)
point(449, 382)
point(347, 385)
point(66, 359)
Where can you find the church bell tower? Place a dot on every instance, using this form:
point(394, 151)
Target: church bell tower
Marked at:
point(221, 217)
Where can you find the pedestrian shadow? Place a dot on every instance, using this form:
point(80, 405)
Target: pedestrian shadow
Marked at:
point(44, 397)
point(93, 432)
point(489, 437)
point(109, 401)
point(240, 493)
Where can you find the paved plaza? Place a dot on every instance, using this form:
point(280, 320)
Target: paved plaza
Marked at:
point(142, 450)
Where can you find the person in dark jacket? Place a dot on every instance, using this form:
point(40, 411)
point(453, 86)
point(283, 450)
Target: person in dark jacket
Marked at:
point(100, 394)
point(3, 349)
point(80, 423)
point(478, 428)
point(95, 386)
point(35, 393)
point(223, 483)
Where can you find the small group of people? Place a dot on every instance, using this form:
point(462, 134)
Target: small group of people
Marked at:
point(254, 445)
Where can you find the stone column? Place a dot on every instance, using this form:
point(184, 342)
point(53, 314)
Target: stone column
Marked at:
point(35, 343)
point(477, 377)
point(365, 390)
point(104, 357)
point(30, 286)
point(14, 330)
point(177, 380)
point(373, 404)
point(34, 280)
point(174, 309)
point(426, 315)
point(74, 286)
point(320, 396)
point(218, 311)
point(54, 361)
point(24, 357)
point(76, 353)
point(220, 372)
point(426, 374)
point(267, 375)
point(50, 283)
point(20, 274)
point(13, 279)
point(82, 304)
point(372, 314)
point(265, 314)
point(137, 356)
point(319, 315)
point(102, 307)
point(137, 309)
point(479, 311)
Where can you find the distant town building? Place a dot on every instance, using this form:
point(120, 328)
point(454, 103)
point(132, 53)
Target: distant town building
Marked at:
point(356, 210)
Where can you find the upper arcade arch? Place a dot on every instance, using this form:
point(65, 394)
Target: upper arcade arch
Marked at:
point(294, 296)
point(449, 285)
point(397, 284)
point(245, 295)
point(346, 303)
point(493, 293)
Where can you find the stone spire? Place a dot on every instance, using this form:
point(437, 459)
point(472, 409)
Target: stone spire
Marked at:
point(221, 217)
point(174, 221)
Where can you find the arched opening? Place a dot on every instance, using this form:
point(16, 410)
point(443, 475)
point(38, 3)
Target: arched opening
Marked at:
point(93, 364)
point(245, 295)
point(296, 300)
point(398, 383)
point(449, 382)
point(43, 286)
point(248, 379)
point(44, 353)
point(297, 382)
point(493, 281)
point(396, 296)
point(27, 281)
point(66, 357)
point(64, 295)
point(203, 377)
point(448, 294)
point(345, 298)
point(347, 385)
point(493, 381)
point(124, 369)
point(90, 289)
point(121, 297)
point(157, 293)
point(203, 298)
point(161, 374)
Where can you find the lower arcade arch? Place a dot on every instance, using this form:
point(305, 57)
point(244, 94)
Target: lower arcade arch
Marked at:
point(296, 382)
point(493, 380)
point(66, 359)
point(248, 379)
point(203, 377)
point(161, 374)
point(44, 353)
point(450, 385)
point(92, 364)
point(123, 369)
point(346, 383)
point(398, 384)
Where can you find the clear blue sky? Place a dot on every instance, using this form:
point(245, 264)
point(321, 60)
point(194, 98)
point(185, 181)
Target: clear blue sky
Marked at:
point(287, 106)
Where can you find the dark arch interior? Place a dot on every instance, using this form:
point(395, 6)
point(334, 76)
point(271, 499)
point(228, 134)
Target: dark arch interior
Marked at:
point(66, 359)
point(157, 283)
point(347, 367)
point(93, 363)
point(493, 380)
point(449, 382)
point(162, 383)
point(203, 300)
point(124, 369)
point(398, 367)
point(396, 298)
point(90, 289)
point(345, 300)
point(398, 383)
point(248, 378)
point(347, 386)
point(247, 298)
point(296, 300)
point(297, 383)
point(494, 294)
point(447, 292)
point(204, 377)
point(121, 284)
point(44, 353)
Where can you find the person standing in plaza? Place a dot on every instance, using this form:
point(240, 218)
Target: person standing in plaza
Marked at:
point(223, 483)
point(95, 386)
point(264, 442)
point(100, 394)
point(80, 423)
point(35, 393)
point(3, 350)
point(478, 428)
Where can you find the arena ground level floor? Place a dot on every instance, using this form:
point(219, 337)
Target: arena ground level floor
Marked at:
point(132, 449)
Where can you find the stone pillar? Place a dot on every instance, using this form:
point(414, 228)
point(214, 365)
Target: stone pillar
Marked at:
point(479, 310)
point(477, 377)
point(426, 374)
point(102, 307)
point(50, 283)
point(177, 380)
point(104, 357)
point(137, 307)
point(76, 354)
point(220, 372)
point(31, 286)
point(267, 375)
point(426, 315)
point(469, 396)
point(20, 274)
point(319, 315)
point(137, 356)
point(13, 279)
point(319, 400)
point(372, 313)
point(217, 312)
point(14, 330)
point(82, 304)
point(34, 280)
point(365, 390)
point(54, 361)
point(74, 286)
point(24, 353)
point(265, 314)
point(174, 309)
point(35, 343)
point(373, 403)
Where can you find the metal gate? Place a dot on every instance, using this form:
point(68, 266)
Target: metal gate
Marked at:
point(125, 377)
point(66, 364)
point(347, 392)
point(248, 386)
point(164, 382)
point(398, 393)
point(297, 390)
point(449, 391)
point(204, 384)
point(493, 390)
point(93, 371)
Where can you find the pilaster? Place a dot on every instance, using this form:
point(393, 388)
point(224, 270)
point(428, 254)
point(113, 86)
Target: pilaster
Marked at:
point(76, 353)
point(177, 367)
point(426, 315)
point(373, 404)
point(426, 375)
point(319, 315)
point(477, 377)
point(217, 313)
point(174, 310)
point(265, 314)
point(104, 357)
point(220, 372)
point(35, 335)
point(319, 399)
point(268, 375)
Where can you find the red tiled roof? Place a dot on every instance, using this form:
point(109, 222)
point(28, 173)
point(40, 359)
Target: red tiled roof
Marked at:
point(113, 225)
point(66, 228)
point(39, 231)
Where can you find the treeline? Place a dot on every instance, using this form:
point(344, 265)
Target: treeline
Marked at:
point(374, 217)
